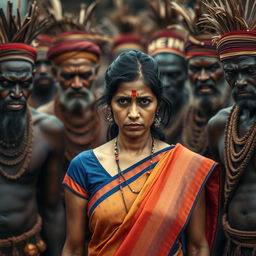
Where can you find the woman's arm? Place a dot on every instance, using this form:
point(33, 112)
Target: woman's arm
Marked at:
point(76, 225)
point(197, 243)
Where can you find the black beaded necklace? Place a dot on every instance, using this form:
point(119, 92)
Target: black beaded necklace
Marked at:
point(121, 176)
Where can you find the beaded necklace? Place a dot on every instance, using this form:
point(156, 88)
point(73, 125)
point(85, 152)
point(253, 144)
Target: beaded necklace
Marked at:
point(24, 156)
point(194, 134)
point(121, 176)
point(238, 152)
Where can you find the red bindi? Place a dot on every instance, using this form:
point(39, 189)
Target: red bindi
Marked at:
point(134, 94)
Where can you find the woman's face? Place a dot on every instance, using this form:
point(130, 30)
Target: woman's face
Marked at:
point(134, 106)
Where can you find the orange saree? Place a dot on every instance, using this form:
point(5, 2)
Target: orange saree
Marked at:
point(158, 215)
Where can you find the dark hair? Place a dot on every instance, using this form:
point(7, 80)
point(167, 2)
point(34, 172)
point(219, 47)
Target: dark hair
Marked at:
point(127, 67)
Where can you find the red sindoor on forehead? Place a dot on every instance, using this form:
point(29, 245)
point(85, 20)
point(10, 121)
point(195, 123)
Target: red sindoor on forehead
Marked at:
point(134, 94)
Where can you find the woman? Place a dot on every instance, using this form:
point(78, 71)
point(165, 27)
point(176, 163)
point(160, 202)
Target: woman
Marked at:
point(138, 194)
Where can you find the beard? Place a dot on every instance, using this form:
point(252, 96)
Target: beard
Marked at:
point(212, 103)
point(43, 87)
point(12, 125)
point(74, 104)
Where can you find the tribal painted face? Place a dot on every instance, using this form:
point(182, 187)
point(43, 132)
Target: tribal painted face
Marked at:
point(76, 77)
point(240, 73)
point(16, 82)
point(134, 106)
point(207, 81)
point(173, 74)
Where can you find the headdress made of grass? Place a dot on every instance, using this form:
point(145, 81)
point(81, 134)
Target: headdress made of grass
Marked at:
point(124, 18)
point(163, 14)
point(226, 16)
point(14, 29)
point(66, 21)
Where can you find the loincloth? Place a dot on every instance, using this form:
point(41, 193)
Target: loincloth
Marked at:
point(239, 242)
point(26, 244)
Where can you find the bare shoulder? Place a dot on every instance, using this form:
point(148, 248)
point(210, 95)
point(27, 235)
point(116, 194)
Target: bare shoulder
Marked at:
point(46, 122)
point(218, 122)
point(47, 108)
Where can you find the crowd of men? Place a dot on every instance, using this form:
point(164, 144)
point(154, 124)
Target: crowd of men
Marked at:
point(50, 83)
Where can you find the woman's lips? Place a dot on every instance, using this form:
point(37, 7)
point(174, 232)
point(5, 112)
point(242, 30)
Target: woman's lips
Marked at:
point(134, 127)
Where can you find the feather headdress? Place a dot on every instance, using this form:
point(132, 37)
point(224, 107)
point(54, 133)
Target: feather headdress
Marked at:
point(123, 18)
point(163, 13)
point(230, 15)
point(190, 18)
point(235, 23)
point(14, 29)
point(66, 21)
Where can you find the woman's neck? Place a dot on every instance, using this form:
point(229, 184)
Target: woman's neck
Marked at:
point(134, 146)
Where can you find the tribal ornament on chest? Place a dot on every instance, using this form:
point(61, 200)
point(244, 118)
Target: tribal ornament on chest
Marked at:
point(17, 153)
point(238, 152)
point(194, 134)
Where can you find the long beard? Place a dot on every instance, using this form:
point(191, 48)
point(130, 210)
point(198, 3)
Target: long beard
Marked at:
point(12, 126)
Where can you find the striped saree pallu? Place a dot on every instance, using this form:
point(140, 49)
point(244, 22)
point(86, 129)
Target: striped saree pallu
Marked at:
point(159, 213)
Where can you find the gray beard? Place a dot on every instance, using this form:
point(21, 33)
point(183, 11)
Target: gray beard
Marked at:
point(76, 105)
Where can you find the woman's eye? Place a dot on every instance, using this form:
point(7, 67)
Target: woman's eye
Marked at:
point(144, 101)
point(122, 101)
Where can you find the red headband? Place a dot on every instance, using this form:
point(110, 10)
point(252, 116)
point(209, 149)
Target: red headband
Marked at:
point(127, 42)
point(206, 48)
point(18, 51)
point(167, 41)
point(237, 43)
point(73, 44)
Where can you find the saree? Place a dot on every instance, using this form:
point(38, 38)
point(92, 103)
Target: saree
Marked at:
point(158, 215)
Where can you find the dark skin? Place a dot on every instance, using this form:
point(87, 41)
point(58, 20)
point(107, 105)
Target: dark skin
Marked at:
point(39, 187)
point(240, 73)
point(44, 85)
point(207, 84)
point(173, 74)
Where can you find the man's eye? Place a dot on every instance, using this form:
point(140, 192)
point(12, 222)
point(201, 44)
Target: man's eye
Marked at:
point(86, 75)
point(5, 83)
point(67, 76)
point(26, 84)
point(228, 72)
point(193, 69)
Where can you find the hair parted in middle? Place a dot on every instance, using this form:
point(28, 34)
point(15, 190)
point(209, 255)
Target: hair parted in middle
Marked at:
point(128, 67)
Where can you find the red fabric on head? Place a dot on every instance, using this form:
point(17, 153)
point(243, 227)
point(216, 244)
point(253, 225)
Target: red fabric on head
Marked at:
point(237, 43)
point(43, 41)
point(127, 42)
point(168, 41)
point(206, 48)
point(17, 51)
point(73, 41)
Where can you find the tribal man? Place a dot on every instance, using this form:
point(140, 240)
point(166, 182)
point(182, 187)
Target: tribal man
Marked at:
point(232, 132)
point(44, 87)
point(209, 90)
point(75, 58)
point(31, 149)
point(167, 46)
